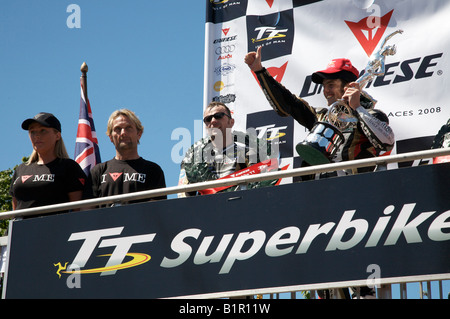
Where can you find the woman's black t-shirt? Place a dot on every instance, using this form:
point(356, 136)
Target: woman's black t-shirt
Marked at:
point(37, 185)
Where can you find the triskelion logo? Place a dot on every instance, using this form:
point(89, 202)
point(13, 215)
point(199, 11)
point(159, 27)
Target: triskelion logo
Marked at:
point(370, 30)
point(93, 239)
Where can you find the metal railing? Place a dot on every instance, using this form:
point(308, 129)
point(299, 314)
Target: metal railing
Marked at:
point(385, 291)
point(89, 203)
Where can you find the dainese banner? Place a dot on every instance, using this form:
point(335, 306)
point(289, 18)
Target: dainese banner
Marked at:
point(299, 37)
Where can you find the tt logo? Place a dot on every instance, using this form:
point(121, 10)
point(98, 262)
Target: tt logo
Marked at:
point(96, 239)
point(272, 33)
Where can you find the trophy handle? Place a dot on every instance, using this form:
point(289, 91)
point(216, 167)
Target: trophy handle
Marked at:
point(340, 114)
point(389, 37)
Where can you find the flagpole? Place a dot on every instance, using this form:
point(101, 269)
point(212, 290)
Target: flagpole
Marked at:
point(83, 78)
point(87, 152)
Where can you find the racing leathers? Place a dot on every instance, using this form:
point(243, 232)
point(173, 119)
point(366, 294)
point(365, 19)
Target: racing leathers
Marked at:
point(203, 162)
point(371, 136)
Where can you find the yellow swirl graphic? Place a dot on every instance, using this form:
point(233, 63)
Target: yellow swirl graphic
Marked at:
point(277, 136)
point(138, 259)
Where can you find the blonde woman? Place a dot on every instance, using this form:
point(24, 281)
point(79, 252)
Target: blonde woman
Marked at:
point(49, 176)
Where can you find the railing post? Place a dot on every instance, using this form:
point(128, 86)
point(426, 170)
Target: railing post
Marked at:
point(384, 292)
point(403, 293)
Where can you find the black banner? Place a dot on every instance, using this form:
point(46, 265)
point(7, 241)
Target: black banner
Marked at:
point(274, 32)
point(369, 226)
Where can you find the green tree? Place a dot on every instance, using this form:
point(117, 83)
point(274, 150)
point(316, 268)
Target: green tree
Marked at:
point(5, 198)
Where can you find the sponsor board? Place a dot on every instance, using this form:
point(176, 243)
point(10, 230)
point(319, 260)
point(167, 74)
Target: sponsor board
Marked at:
point(293, 235)
point(299, 37)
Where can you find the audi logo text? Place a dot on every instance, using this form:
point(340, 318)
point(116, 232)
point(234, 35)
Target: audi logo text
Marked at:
point(225, 49)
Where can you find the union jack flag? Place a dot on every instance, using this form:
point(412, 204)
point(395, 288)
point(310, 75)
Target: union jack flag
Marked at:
point(87, 153)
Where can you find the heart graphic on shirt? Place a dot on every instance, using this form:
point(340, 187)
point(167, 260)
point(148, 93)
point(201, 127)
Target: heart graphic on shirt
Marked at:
point(25, 177)
point(115, 176)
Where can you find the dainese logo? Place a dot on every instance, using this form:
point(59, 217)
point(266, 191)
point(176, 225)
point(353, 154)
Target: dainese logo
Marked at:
point(276, 72)
point(369, 30)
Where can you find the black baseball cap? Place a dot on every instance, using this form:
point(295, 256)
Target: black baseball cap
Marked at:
point(45, 119)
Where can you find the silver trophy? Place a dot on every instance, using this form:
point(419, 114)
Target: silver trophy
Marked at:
point(326, 136)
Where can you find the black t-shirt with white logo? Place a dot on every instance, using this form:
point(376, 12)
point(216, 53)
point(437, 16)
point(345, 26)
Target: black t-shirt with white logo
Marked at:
point(37, 185)
point(117, 177)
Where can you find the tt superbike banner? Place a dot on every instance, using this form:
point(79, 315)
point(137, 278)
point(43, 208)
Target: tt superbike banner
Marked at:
point(337, 232)
point(299, 37)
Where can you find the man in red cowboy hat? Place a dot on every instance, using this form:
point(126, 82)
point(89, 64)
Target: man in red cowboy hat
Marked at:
point(372, 134)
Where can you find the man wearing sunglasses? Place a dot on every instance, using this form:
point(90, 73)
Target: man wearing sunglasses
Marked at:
point(218, 122)
point(222, 152)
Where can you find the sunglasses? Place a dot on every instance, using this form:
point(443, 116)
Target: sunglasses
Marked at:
point(217, 116)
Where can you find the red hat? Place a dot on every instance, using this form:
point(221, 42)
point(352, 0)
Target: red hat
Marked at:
point(337, 69)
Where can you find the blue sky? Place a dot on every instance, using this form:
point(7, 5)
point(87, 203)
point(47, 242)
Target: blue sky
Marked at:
point(144, 55)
